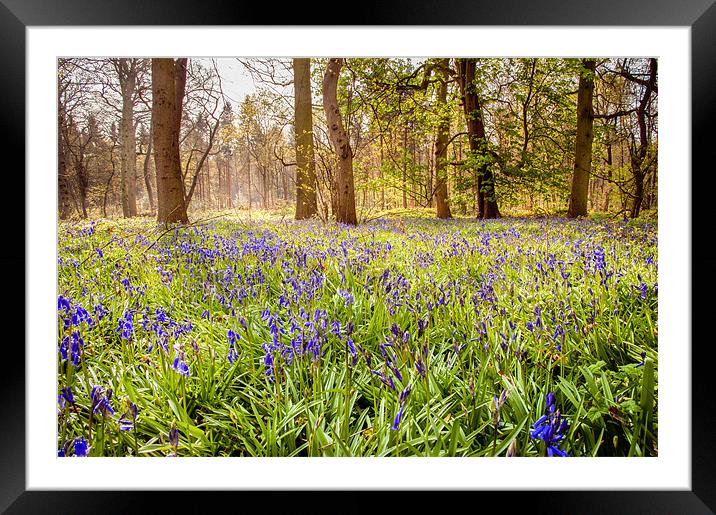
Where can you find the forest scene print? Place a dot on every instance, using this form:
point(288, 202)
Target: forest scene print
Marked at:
point(357, 257)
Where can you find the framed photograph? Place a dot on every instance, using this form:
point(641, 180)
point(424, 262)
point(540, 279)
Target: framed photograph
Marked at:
point(673, 474)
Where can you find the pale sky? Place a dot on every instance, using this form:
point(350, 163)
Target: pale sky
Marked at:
point(235, 80)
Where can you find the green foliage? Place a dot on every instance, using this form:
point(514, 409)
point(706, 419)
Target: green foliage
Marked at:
point(462, 297)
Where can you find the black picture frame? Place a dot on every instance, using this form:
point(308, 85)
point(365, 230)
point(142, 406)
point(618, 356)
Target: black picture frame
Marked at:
point(700, 15)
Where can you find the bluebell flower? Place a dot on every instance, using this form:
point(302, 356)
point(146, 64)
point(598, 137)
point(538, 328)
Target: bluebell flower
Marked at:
point(420, 366)
point(643, 357)
point(336, 329)
point(125, 424)
point(63, 303)
point(81, 447)
point(66, 394)
point(497, 405)
point(233, 355)
point(396, 422)
point(181, 367)
point(64, 347)
point(551, 429)
point(174, 436)
point(75, 343)
point(100, 401)
point(404, 394)
point(351, 348)
point(128, 418)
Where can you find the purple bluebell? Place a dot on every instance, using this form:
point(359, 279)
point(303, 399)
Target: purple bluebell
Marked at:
point(551, 429)
point(66, 394)
point(81, 447)
point(181, 367)
point(174, 436)
point(398, 417)
point(100, 401)
point(643, 357)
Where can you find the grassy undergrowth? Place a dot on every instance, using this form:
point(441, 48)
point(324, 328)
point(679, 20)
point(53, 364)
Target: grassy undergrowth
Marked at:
point(405, 336)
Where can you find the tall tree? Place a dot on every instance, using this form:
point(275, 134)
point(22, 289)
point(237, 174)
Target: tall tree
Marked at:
point(343, 184)
point(170, 187)
point(127, 72)
point(638, 151)
point(306, 205)
point(180, 70)
point(146, 169)
point(441, 142)
point(583, 141)
point(479, 152)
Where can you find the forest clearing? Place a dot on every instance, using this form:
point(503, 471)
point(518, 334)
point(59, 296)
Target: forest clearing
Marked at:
point(363, 257)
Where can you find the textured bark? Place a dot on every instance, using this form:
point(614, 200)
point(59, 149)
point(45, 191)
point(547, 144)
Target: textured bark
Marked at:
point(127, 72)
point(638, 153)
point(583, 141)
point(485, 181)
point(180, 69)
point(170, 189)
point(441, 145)
point(344, 188)
point(63, 180)
point(306, 205)
point(147, 172)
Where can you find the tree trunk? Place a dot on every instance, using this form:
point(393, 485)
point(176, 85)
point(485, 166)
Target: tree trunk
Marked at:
point(485, 182)
point(583, 141)
point(63, 180)
point(230, 202)
point(82, 181)
point(248, 170)
point(306, 204)
point(607, 193)
point(127, 69)
point(382, 178)
point(405, 165)
point(180, 69)
point(441, 145)
point(344, 189)
point(638, 154)
point(147, 171)
point(170, 190)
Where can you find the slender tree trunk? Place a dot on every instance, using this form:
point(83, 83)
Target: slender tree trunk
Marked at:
point(147, 171)
point(605, 207)
point(441, 145)
point(638, 154)
point(638, 191)
point(127, 71)
point(405, 165)
point(306, 204)
point(583, 141)
point(228, 185)
point(345, 192)
point(63, 180)
point(82, 181)
point(485, 182)
point(248, 170)
point(170, 190)
point(382, 178)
